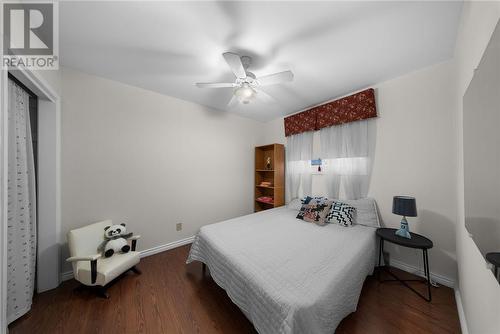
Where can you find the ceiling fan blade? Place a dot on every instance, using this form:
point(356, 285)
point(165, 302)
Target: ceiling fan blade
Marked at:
point(234, 62)
point(233, 102)
point(215, 85)
point(275, 78)
point(264, 97)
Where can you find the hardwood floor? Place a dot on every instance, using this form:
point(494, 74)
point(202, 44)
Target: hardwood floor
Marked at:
point(172, 297)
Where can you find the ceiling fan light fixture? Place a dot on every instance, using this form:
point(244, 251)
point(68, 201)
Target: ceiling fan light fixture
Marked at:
point(244, 93)
point(246, 87)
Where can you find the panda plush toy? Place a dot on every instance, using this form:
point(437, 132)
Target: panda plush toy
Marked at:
point(115, 240)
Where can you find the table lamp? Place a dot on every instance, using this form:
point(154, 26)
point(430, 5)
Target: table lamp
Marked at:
point(407, 207)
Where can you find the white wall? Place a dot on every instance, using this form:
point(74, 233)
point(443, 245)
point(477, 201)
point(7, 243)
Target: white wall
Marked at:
point(151, 160)
point(48, 197)
point(415, 155)
point(274, 132)
point(479, 291)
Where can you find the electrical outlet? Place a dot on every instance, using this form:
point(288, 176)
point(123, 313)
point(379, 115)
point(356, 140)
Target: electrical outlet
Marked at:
point(178, 226)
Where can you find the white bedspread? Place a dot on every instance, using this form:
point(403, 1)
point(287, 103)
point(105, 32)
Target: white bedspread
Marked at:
point(287, 275)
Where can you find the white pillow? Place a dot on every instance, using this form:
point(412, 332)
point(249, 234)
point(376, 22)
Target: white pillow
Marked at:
point(295, 204)
point(366, 211)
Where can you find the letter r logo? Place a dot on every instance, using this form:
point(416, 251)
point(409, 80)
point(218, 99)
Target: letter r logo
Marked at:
point(28, 28)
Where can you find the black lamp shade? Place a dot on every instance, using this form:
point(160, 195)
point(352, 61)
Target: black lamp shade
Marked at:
point(404, 206)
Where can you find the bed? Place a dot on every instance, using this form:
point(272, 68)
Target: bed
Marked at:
point(287, 275)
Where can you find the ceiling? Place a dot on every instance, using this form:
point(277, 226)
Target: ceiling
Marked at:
point(333, 48)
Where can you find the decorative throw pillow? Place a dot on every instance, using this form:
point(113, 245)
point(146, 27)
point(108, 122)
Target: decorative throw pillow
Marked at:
point(306, 200)
point(316, 212)
point(309, 200)
point(294, 204)
point(366, 211)
point(341, 213)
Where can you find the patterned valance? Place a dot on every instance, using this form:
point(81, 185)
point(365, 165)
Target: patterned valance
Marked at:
point(301, 122)
point(348, 109)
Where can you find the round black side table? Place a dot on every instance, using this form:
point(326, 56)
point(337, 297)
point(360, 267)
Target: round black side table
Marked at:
point(417, 241)
point(494, 259)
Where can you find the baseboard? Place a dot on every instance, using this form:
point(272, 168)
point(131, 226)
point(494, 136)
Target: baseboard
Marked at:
point(147, 252)
point(461, 313)
point(443, 280)
point(166, 247)
point(66, 276)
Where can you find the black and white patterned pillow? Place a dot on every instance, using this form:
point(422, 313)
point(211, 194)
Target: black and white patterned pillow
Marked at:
point(309, 200)
point(341, 213)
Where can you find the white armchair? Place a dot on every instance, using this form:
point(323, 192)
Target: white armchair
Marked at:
point(89, 267)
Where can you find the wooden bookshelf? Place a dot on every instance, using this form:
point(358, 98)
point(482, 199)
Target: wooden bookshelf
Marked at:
point(275, 174)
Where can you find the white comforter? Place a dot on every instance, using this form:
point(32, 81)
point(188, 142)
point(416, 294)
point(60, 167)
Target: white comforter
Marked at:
point(287, 275)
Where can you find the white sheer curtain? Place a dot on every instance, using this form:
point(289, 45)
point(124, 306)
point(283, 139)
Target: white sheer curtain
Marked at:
point(345, 150)
point(21, 216)
point(299, 151)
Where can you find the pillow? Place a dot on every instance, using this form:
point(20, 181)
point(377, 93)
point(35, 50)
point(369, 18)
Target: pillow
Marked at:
point(316, 212)
point(341, 213)
point(366, 211)
point(295, 204)
point(306, 200)
point(309, 200)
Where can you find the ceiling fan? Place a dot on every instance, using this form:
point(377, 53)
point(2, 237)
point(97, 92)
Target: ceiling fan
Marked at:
point(245, 87)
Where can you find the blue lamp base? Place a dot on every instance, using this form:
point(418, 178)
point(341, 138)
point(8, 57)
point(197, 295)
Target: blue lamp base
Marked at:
point(404, 230)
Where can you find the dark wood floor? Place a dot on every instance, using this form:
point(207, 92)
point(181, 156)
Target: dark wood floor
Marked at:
point(172, 297)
